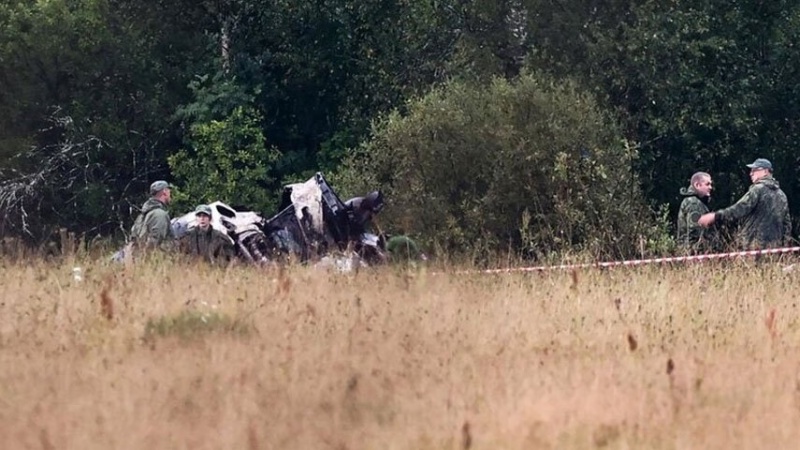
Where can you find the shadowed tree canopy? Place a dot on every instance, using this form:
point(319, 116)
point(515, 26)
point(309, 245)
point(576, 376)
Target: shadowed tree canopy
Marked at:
point(99, 94)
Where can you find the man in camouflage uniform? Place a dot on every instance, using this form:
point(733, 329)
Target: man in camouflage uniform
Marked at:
point(203, 241)
point(691, 236)
point(151, 229)
point(763, 212)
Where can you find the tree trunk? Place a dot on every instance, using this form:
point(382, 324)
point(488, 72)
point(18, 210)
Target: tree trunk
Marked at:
point(225, 44)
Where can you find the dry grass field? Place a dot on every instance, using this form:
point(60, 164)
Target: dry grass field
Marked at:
point(179, 357)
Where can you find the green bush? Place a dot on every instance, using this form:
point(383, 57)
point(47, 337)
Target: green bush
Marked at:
point(532, 165)
point(229, 160)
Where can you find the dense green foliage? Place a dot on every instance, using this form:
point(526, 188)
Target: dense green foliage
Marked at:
point(532, 164)
point(229, 161)
point(500, 119)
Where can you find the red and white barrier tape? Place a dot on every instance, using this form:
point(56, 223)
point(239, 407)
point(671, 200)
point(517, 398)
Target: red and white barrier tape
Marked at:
point(638, 262)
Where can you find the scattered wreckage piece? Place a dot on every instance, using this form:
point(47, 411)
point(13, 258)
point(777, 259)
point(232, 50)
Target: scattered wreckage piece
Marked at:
point(313, 223)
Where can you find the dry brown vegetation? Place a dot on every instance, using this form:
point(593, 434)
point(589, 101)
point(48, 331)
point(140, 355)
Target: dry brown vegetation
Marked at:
point(154, 357)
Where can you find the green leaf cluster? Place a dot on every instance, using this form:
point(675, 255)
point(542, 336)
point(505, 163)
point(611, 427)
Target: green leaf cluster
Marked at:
point(228, 160)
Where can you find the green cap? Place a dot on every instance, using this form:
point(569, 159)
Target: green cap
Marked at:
point(202, 209)
point(158, 186)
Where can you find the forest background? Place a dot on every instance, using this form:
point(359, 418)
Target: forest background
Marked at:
point(536, 126)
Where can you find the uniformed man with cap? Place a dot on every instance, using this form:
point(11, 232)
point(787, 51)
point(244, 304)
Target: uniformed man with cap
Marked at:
point(203, 241)
point(763, 212)
point(151, 229)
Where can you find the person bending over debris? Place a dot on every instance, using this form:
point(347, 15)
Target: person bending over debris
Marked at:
point(361, 210)
point(403, 248)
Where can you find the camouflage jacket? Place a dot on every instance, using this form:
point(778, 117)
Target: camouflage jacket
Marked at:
point(211, 245)
point(152, 228)
point(763, 215)
point(690, 234)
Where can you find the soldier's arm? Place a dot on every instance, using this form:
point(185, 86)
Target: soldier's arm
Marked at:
point(681, 228)
point(693, 213)
point(688, 215)
point(741, 208)
point(679, 225)
point(158, 229)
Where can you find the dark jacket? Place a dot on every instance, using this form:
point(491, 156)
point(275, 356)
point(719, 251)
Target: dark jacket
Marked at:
point(210, 244)
point(762, 214)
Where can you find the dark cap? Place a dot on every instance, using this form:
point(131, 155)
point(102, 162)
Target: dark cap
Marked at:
point(158, 186)
point(761, 163)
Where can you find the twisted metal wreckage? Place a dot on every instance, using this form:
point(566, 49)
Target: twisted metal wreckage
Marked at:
point(312, 224)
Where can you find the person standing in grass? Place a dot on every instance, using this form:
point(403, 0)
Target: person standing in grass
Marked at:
point(762, 213)
point(691, 236)
point(204, 242)
point(151, 229)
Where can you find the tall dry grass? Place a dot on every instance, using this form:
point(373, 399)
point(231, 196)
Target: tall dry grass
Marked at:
point(702, 356)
